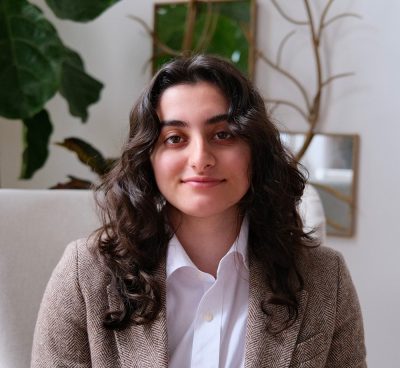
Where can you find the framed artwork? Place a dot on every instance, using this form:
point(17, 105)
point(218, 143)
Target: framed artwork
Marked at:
point(332, 164)
point(219, 27)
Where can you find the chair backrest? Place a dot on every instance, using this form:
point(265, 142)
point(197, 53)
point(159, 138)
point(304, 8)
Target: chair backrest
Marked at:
point(312, 213)
point(35, 227)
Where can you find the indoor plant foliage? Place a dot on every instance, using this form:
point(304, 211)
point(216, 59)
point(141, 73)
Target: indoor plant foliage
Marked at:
point(35, 64)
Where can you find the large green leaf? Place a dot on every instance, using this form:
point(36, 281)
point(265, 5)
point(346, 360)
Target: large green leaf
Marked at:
point(79, 10)
point(30, 59)
point(77, 87)
point(87, 154)
point(36, 133)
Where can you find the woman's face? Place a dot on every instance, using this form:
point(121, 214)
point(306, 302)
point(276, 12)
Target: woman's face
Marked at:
point(200, 168)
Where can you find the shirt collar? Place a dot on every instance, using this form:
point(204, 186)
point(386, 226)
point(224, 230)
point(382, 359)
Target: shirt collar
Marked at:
point(178, 258)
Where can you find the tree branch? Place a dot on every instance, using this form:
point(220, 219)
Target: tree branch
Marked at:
point(316, 105)
point(212, 27)
point(307, 141)
point(287, 17)
point(282, 45)
point(323, 16)
point(189, 27)
point(151, 33)
point(336, 17)
point(337, 76)
point(288, 103)
point(206, 29)
point(286, 74)
point(312, 115)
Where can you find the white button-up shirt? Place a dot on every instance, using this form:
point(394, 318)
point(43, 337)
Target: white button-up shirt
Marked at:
point(206, 317)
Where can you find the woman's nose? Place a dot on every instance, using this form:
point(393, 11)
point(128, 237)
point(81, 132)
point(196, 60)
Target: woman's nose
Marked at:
point(201, 155)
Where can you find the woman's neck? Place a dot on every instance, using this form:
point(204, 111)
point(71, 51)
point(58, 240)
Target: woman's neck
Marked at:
point(207, 240)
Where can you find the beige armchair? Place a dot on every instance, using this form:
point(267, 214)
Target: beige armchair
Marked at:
point(35, 227)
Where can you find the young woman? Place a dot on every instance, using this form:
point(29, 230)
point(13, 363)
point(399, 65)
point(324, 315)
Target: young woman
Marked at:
point(201, 260)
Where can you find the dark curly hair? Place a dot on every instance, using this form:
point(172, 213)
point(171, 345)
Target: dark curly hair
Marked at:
point(135, 233)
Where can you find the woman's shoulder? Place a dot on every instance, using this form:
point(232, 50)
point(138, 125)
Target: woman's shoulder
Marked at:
point(321, 254)
point(80, 251)
point(321, 263)
point(82, 259)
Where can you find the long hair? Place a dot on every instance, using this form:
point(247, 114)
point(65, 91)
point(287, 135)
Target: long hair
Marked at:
point(135, 233)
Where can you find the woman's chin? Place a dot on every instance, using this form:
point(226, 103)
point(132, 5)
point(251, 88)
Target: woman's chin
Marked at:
point(203, 211)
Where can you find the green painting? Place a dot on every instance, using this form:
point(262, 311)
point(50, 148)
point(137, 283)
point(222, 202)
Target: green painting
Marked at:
point(224, 28)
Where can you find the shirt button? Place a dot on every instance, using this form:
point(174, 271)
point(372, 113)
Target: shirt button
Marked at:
point(208, 316)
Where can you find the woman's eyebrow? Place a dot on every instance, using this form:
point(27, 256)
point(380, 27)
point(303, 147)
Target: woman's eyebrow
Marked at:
point(173, 123)
point(183, 124)
point(217, 118)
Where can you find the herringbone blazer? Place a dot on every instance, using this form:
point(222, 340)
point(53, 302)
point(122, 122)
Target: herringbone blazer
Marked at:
point(69, 333)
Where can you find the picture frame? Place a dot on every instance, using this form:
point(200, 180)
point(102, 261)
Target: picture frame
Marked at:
point(220, 27)
point(332, 161)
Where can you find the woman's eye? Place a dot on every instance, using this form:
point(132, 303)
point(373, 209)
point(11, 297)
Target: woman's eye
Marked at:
point(174, 139)
point(223, 135)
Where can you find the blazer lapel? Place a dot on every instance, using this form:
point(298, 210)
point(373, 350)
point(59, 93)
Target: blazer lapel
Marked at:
point(145, 345)
point(263, 349)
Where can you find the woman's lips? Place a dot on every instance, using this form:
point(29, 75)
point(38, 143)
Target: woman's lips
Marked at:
point(202, 182)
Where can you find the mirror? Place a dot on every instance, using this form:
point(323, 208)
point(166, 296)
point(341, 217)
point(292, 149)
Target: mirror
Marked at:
point(332, 164)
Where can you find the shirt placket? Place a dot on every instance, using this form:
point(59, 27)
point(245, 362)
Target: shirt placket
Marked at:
point(207, 328)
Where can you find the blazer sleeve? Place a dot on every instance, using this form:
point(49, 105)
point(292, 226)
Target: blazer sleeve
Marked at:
point(60, 338)
point(347, 348)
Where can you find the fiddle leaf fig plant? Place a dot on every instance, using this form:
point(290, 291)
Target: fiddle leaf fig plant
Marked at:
point(36, 134)
point(81, 10)
point(31, 59)
point(35, 65)
point(78, 88)
point(89, 156)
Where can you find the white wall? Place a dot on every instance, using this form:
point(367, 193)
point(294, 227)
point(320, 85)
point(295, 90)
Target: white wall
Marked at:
point(115, 50)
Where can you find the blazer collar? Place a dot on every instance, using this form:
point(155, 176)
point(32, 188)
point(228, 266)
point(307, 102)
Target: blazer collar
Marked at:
point(264, 349)
point(149, 345)
point(145, 344)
